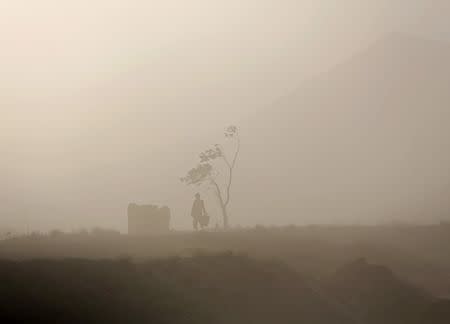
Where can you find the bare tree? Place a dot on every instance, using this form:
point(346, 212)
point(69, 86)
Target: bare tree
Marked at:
point(206, 173)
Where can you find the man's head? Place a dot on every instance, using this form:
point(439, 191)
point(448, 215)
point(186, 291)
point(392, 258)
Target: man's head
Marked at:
point(197, 196)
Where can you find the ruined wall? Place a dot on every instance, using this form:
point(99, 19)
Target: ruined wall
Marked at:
point(148, 219)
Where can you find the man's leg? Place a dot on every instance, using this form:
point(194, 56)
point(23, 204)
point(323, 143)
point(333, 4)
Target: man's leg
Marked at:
point(195, 223)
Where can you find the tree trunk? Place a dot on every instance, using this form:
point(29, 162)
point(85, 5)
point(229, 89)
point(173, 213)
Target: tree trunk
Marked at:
point(223, 205)
point(225, 217)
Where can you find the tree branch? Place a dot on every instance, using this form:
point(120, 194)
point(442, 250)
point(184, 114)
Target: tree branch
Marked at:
point(218, 192)
point(237, 151)
point(231, 169)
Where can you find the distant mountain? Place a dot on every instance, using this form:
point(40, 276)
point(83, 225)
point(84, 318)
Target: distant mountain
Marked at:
point(375, 295)
point(368, 138)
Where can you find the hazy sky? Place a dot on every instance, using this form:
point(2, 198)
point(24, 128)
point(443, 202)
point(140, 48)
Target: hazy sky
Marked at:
point(96, 96)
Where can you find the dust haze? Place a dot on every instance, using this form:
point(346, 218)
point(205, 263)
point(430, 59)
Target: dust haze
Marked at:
point(106, 102)
point(225, 161)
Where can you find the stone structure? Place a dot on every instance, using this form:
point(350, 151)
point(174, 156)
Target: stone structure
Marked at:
point(148, 219)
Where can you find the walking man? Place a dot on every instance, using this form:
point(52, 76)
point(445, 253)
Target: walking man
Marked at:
point(198, 213)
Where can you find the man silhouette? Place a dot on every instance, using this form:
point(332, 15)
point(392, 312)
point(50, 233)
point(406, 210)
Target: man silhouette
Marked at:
point(198, 212)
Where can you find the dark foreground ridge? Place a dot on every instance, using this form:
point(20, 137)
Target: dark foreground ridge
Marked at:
point(417, 254)
point(216, 289)
point(205, 289)
point(374, 294)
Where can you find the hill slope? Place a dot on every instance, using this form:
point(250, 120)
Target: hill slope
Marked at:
point(375, 295)
point(210, 289)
